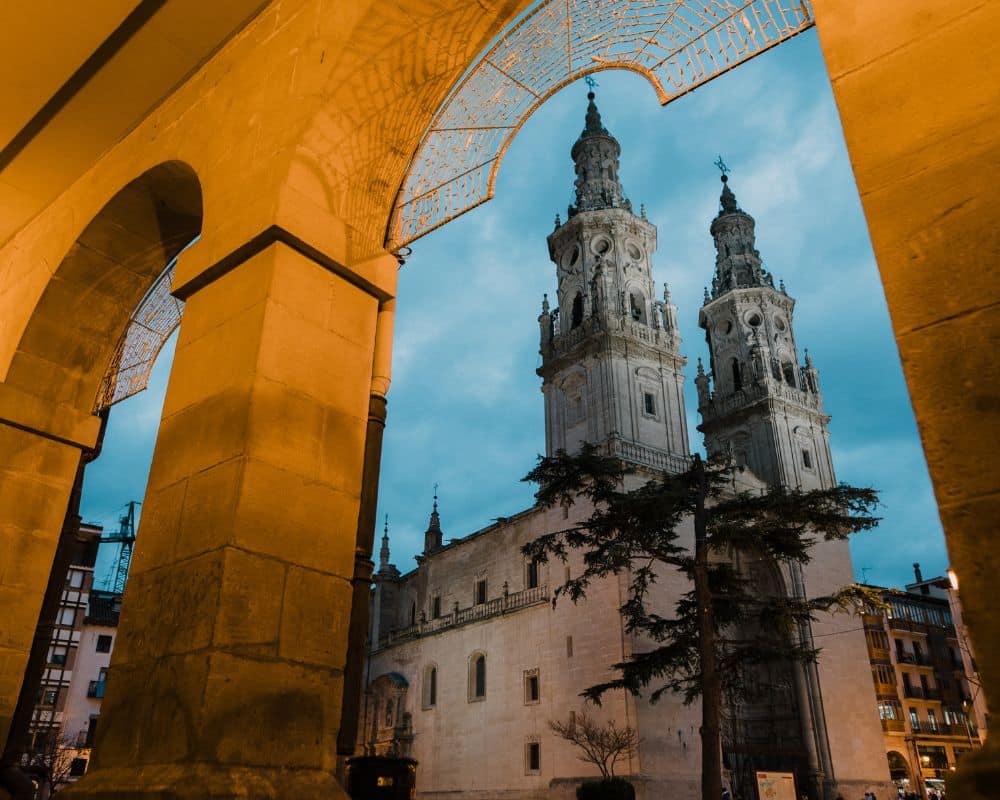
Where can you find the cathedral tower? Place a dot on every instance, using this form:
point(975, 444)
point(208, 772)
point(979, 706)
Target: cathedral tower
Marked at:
point(758, 402)
point(611, 364)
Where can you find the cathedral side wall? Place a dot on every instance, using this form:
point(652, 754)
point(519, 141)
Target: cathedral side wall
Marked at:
point(477, 749)
point(852, 721)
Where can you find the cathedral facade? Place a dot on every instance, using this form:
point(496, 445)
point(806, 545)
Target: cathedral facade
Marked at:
point(469, 658)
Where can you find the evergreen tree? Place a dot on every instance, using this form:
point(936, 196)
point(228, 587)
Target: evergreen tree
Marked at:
point(702, 649)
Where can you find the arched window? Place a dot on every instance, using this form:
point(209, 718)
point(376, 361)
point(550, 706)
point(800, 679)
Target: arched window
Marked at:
point(737, 378)
point(432, 687)
point(577, 316)
point(789, 370)
point(532, 573)
point(477, 677)
point(638, 306)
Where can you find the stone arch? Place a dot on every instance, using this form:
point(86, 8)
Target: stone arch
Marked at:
point(899, 767)
point(75, 333)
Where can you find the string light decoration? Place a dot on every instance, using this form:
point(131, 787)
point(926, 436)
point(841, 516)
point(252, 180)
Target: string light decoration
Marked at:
point(677, 45)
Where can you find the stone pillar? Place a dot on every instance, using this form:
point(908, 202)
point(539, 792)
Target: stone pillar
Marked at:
point(916, 87)
point(40, 449)
point(363, 566)
point(227, 677)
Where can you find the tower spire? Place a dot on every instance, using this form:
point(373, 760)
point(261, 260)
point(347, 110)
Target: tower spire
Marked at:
point(737, 262)
point(383, 553)
point(433, 535)
point(596, 154)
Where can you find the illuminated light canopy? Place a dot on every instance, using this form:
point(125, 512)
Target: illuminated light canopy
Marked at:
point(156, 317)
point(676, 45)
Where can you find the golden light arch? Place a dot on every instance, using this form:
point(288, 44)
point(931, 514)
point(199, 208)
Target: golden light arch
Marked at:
point(677, 45)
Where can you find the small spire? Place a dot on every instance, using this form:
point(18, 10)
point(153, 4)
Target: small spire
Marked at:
point(809, 361)
point(593, 125)
point(781, 286)
point(545, 303)
point(383, 555)
point(642, 210)
point(558, 220)
point(707, 296)
point(666, 293)
point(701, 369)
point(433, 534)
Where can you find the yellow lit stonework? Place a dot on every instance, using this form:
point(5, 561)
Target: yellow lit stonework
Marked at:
point(281, 132)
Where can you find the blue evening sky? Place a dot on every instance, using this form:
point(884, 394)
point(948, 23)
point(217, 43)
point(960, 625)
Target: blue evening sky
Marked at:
point(465, 408)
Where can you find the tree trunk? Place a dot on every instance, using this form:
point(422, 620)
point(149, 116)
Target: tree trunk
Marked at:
point(711, 690)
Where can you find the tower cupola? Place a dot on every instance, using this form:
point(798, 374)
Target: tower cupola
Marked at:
point(737, 262)
point(596, 155)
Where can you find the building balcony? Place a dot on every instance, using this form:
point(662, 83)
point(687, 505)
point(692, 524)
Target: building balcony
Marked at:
point(95, 689)
point(878, 654)
point(893, 725)
point(913, 691)
point(647, 456)
point(464, 616)
point(902, 624)
point(904, 658)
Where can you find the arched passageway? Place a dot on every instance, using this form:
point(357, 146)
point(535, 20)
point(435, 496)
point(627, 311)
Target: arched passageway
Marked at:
point(280, 298)
point(55, 377)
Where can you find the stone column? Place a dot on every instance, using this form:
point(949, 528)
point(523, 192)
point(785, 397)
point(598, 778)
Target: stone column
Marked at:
point(915, 84)
point(227, 677)
point(40, 449)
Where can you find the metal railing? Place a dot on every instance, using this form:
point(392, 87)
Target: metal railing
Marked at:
point(95, 689)
point(464, 616)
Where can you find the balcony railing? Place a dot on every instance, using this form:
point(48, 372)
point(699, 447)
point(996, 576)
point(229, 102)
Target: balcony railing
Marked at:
point(879, 654)
point(463, 616)
point(893, 725)
point(95, 689)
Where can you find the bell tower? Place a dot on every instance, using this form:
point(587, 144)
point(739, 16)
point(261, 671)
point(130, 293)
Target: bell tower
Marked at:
point(611, 364)
point(757, 401)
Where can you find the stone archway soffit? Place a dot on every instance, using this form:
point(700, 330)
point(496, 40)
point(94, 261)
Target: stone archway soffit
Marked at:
point(677, 45)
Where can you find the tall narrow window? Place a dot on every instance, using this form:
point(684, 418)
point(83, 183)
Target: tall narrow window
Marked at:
point(577, 316)
point(532, 574)
point(533, 757)
point(569, 647)
point(480, 592)
point(531, 691)
point(477, 677)
point(649, 403)
point(807, 460)
point(737, 379)
point(789, 372)
point(413, 614)
point(430, 686)
point(436, 606)
point(103, 644)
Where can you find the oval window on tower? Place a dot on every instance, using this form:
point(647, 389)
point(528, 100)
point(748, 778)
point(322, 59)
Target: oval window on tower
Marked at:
point(574, 256)
point(779, 323)
point(634, 252)
point(725, 327)
point(601, 245)
point(754, 320)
